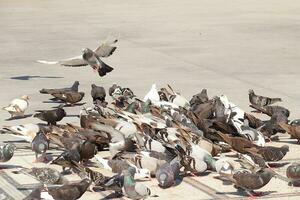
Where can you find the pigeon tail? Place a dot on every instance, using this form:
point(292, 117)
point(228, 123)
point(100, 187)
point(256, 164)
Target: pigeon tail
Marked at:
point(47, 62)
point(104, 69)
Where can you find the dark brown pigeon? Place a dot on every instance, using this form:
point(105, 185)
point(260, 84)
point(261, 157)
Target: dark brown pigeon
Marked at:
point(261, 100)
point(71, 191)
point(98, 94)
point(51, 116)
point(270, 153)
point(271, 110)
point(74, 88)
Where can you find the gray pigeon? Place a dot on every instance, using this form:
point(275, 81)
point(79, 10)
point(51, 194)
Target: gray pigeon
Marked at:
point(167, 174)
point(134, 190)
point(7, 152)
point(51, 116)
point(98, 94)
point(40, 145)
point(45, 175)
point(261, 100)
point(92, 58)
point(95, 62)
point(74, 88)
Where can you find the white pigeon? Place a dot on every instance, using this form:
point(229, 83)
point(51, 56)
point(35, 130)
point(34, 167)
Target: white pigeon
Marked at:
point(152, 95)
point(17, 106)
point(140, 172)
point(26, 131)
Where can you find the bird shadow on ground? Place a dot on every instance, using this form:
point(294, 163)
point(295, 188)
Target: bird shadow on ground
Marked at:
point(9, 166)
point(241, 192)
point(73, 116)
point(67, 105)
point(278, 165)
point(27, 77)
point(18, 117)
point(112, 196)
point(293, 141)
point(52, 101)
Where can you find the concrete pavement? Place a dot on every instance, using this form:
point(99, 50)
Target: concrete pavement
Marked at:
point(224, 46)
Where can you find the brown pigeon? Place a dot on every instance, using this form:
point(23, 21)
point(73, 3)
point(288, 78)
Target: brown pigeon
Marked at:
point(293, 130)
point(69, 97)
point(251, 181)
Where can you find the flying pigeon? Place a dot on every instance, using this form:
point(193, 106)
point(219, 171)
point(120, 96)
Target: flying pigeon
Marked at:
point(17, 106)
point(73, 88)
point(90, 57)
point(51, 116)
point(261, 100)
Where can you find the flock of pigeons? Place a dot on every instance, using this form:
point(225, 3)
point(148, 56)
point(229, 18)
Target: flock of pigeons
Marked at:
point(162, 135)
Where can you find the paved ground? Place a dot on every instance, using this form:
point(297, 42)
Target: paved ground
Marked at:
point(224, 46)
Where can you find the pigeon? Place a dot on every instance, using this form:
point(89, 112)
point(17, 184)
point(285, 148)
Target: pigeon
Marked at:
point(70, 191)
point(272, 154)
point(66, 158)
point(40, 145)
point(167, 174)
point(17, 106)
point(117, 166)
point(293, 130)
point(73, 88)
point(98, 94)
point(70, 97)
point(95, 62)
point(45, 175)
point(51, 116)
point(251, 181)
point(90, 57)
point(293, 173)
point(7, 152)
point(296, 122)
point(132, 189)
point(261, 100)
point(271, 110)
point(26, 131)
point(199, 98)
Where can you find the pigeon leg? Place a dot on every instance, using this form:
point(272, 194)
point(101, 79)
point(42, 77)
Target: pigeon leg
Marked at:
point(36, 157)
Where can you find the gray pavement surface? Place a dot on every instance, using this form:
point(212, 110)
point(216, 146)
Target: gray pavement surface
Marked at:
point(225, 46)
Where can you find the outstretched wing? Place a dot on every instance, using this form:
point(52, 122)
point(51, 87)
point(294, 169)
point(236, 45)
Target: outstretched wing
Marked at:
point(106, 49)
point(71, 62)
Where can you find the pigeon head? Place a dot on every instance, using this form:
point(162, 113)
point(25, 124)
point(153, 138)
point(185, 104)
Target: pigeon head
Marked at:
point(285, 148)
point(76, 83)
point(163, 180)
point(251, 91)
point(25, 97)
point(86, 51)
point(93, 86)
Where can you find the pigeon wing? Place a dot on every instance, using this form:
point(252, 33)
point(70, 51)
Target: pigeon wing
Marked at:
point(73, 62)
point(105, 50)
